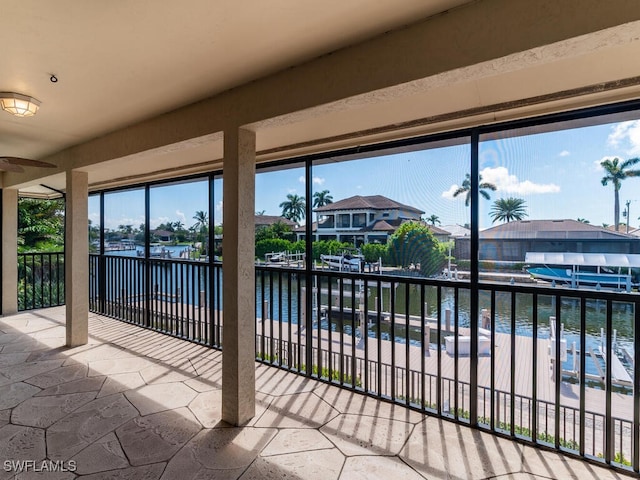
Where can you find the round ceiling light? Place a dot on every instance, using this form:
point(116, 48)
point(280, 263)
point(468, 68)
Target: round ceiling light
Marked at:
point(18, 105)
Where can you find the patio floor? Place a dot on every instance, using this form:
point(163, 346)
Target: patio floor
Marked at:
point(135, 404)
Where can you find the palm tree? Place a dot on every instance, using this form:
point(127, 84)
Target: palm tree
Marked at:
point(433, 219)
point(616, 172)
point(126, 229)
point(178, 225)
point(508, 209)
point(293, 208)
point(202, 221)
point(466, 188)
point(583, 220)
point(320, 199)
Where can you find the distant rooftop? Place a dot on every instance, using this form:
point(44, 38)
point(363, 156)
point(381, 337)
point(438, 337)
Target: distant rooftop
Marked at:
point(550, 229)
point(456, 230)
point(267, 220)
point(371, 202)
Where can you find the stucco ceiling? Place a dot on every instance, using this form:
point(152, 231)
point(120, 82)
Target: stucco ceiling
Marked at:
point(121, 62)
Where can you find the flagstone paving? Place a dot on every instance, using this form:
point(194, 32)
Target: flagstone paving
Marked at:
point(135, 404)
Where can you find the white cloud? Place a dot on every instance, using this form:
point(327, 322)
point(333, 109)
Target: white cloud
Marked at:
point(219, 206)
point(597, 164)
point(114, 223)
point(509, 183)
point(181, 216)
point(626, 135)
point(154, 222)
point(292, 190)
point(315, 180)
point(564, 153)
point(449, 193)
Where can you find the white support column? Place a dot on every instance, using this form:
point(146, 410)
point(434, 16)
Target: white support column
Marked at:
point(238, 250)
point(9, 251)
point(76, 258)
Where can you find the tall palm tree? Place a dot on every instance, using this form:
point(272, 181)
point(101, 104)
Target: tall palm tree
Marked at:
point(293, 208)
point(433, 219)
point(618, 171)
point(466, 188)
point(320, 199)
point(508, 209)
point(202, 221)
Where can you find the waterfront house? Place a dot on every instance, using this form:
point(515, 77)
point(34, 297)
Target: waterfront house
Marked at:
point(362, 219)
point(163, 235)
point(510, 241)
point(263, 221)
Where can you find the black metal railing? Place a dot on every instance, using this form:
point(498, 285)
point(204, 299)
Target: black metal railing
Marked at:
point(408, 341)
point(40, 280)
point(181, 298)
point(553, 366)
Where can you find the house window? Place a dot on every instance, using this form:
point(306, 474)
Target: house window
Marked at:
point(359, 220)
point(326, 221)
point(372, 217)
point(344, 220)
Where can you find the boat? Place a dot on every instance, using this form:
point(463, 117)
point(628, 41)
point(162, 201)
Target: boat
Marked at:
point(276, 257)
point(158, 251)
point(608, 270)
point(345, 261)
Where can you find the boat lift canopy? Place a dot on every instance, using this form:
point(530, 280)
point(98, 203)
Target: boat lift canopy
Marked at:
point(584, 259)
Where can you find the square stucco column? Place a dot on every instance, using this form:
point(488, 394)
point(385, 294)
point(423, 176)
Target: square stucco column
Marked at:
point(9, 251)
point(238, 253)
point(76, 258)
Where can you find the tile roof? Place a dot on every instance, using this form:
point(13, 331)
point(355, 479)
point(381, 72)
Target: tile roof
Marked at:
point(550, 229)
point(371, 202)
point(266, 220)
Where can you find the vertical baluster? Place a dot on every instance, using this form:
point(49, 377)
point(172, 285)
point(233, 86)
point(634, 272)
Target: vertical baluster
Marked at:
point(609, 427)
point(392, 306)
point(492, 367)
point(583, 355)
point(512, 417)
point(636, 389)
point(557, 372)
point(424, 344)
point(534, 381)
point(456, 349)
point(407, 344)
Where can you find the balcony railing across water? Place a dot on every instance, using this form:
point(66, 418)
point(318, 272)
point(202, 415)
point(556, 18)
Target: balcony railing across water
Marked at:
point(40, 280)
point(551, 366)
point(177, 297)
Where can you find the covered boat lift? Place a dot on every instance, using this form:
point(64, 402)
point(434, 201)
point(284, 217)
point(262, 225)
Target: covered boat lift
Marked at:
point(577, 260)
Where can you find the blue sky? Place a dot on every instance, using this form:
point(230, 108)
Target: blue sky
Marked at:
point(557, 174)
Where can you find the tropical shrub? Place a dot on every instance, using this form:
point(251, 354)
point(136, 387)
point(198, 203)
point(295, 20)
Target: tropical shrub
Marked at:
point(373, 251)
point(413, 243)
point(269, 245)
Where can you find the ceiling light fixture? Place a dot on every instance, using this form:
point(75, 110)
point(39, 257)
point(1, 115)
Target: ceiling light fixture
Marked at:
point(19, 105)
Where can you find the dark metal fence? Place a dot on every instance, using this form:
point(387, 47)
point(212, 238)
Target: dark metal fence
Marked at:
point(178, 297)
point(549, 366)
point(415, 342)
point(40, 280)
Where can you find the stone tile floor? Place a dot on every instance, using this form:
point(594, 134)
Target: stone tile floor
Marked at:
point(134, 404)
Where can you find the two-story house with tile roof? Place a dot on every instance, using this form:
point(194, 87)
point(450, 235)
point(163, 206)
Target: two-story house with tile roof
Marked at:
point(363, 219)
